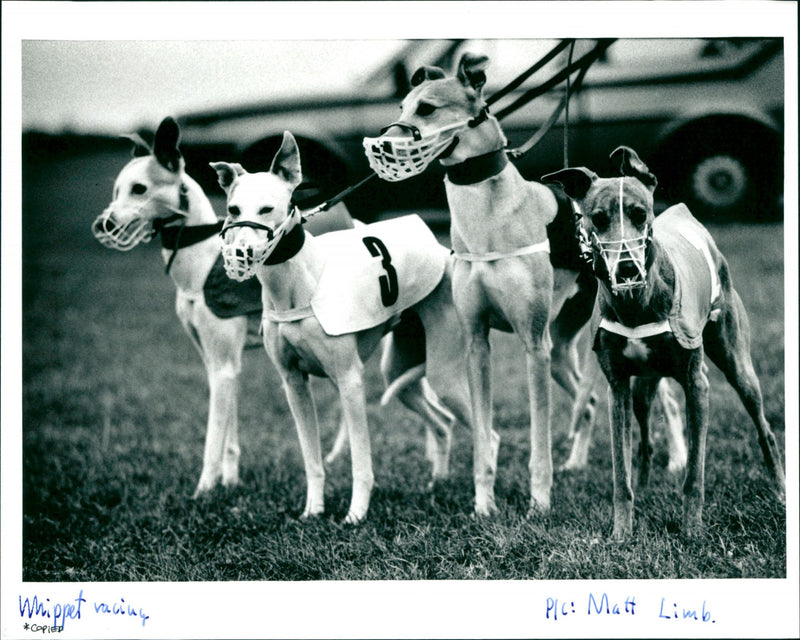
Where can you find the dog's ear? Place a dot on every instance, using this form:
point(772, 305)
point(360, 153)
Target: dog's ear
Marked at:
point(631, 165)
point(140, 147)
point(165, 148)
point(472, 70)
point(576, 181)
point(426, 73)
point(286, 163)
point(226, 173)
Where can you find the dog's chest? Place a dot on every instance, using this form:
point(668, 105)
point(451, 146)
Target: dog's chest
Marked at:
point(653, 356)
point(497, 214)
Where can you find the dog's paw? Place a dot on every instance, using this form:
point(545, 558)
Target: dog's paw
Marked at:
point(621, 534)
point(537, 511)
point(204, 487)
point(353, 519)
point(310, 512)
point(486, 509)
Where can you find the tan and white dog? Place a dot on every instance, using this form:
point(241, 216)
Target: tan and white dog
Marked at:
point(503, 278)
point(330, 300)
point(665, 300)
point(153, 196)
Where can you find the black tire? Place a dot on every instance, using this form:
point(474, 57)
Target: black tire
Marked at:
point(725, 173)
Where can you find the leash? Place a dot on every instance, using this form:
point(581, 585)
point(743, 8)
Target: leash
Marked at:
point(582, 64)
point(563, 106)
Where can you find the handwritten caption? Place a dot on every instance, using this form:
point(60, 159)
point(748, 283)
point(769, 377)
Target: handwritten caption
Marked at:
point(601, 604)
point(48, 616)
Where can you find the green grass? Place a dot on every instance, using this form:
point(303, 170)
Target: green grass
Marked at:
point(115, 401)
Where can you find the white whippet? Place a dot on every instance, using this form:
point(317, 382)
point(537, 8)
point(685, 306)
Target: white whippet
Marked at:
point(153, 195)
point(503, 277)
point(310, 329)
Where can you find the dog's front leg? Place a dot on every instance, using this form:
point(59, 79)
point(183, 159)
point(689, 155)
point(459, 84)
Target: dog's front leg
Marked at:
point(486, 441)
point(354, 412)
point(696, 387)
point(221, 431)
point(621, 410)
point(541, 460)
point(301, 404)
point(220, 343)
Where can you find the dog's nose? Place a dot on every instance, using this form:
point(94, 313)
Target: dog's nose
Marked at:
point(395, 131)
point(627, 270)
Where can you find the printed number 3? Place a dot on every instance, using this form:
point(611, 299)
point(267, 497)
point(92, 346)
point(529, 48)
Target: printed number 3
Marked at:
point(389, 287)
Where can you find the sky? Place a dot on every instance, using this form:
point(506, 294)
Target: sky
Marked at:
point(114, 85)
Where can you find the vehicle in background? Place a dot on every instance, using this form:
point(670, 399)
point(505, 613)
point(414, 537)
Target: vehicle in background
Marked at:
point(706, 116)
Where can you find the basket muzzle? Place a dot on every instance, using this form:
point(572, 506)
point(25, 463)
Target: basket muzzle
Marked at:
point(244, 253)
point(396, 158)
point(122, 237)
point(625, 261)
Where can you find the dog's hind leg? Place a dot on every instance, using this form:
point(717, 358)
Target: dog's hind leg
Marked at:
point(339, 444)
point(727, 342)
point(567, 333)
point(403, 369)
point(582, 418)
point(643, 391)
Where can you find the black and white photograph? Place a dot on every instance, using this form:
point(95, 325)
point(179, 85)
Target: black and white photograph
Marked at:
point(400, 319)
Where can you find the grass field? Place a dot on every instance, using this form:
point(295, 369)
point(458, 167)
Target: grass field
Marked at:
point(115, 404)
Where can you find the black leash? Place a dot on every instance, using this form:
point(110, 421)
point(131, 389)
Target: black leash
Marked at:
point(572, 88)
point(516, 82)
point(582, 64)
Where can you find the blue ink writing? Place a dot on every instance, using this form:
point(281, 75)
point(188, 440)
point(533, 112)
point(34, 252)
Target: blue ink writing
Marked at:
point(552, 608)
point(685, 614)
point(59, 611)
point(604, 606)
point(121, 608)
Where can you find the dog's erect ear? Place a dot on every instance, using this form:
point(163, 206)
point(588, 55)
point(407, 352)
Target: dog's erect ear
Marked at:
point(576, 181)
point(226, 173)
point(631, 165)
point(165, 148)
point(286, 163)
point(426, 73)
point(140, 147)
point(472, 70)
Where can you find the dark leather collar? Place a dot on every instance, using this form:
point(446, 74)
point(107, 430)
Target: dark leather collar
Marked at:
point(288, 247)
point(179, 236)
point(478, 168)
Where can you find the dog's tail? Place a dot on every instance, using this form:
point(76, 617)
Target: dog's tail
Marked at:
point(402, 381)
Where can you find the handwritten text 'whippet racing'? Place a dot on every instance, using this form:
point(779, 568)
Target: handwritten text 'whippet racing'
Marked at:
point(58, 614)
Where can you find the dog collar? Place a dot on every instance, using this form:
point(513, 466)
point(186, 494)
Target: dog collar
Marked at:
point(178, 237)
point(478, 169)
point(288, 247)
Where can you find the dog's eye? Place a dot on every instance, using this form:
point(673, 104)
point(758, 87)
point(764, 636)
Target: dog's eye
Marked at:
point(138, 189)
point(638, 216)
point(425, 109)
point(265, 210)
point(600, 220)
point(233, 210)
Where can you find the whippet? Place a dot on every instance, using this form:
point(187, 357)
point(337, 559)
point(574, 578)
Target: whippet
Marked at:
point(326, 310)
point(503, 277)
point(665, 299)
point(153, 196)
